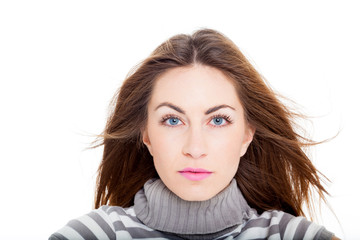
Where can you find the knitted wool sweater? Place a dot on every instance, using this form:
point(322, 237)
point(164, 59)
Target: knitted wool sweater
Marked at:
point(160, 214)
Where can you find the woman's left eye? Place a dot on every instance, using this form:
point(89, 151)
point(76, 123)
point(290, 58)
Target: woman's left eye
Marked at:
point(221, 120)
point(218, 121)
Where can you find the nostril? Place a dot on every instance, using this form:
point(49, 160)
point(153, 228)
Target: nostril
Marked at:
point(195, 155)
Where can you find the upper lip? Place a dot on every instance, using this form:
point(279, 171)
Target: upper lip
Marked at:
point(195, 170)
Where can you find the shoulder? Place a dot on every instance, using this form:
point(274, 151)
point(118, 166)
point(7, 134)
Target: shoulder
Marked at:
point(106, 222)
point(281, 225)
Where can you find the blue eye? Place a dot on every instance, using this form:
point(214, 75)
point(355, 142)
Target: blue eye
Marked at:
point(173, 121)
point(218, 120)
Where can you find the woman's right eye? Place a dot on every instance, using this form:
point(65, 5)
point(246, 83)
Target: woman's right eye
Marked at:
point(171, 121)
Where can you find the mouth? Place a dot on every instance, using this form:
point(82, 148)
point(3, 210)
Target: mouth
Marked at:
point(195, 174)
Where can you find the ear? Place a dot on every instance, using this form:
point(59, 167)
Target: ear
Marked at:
point(249, 135)
point(146, 140)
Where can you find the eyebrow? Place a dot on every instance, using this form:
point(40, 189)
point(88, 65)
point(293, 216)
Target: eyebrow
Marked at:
point(178, 109)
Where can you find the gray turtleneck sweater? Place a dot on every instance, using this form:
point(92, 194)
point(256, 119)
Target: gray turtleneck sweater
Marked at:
point(160, 214)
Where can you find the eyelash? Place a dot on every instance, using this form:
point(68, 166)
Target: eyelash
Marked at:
point(225, 117)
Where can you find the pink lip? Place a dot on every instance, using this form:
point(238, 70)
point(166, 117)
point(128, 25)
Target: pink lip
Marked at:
point(195, 174)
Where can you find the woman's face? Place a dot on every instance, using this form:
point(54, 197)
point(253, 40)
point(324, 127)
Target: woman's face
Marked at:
point(196, 131)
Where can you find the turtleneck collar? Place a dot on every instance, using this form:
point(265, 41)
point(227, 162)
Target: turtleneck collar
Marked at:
point(159, 208)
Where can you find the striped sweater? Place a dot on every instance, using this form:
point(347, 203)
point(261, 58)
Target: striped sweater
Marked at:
point(227, 213)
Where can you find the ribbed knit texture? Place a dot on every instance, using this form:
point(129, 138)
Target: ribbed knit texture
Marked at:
point(160, 214)
point(159, 208)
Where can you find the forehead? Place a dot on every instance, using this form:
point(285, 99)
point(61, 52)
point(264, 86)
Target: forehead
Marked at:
point(195, 84)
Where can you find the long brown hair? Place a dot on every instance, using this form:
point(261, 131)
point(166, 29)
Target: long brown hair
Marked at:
point(275, 173)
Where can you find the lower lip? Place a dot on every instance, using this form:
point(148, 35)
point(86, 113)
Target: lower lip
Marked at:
point(195, 176)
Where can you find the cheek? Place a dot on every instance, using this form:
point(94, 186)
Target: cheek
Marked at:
point(165, 148)
point(228, 144)
point(229, 156)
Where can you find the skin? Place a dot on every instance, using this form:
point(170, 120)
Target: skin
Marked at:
point(190, 137)
point(193, 138)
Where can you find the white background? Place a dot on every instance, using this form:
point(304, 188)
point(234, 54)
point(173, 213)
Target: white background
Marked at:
point(62, 61)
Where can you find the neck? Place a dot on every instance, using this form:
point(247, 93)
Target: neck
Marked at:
point(159, 208)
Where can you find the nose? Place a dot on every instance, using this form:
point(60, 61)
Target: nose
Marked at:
point(195, 144)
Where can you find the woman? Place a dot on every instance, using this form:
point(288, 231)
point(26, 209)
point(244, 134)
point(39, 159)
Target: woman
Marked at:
point(199, 147)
